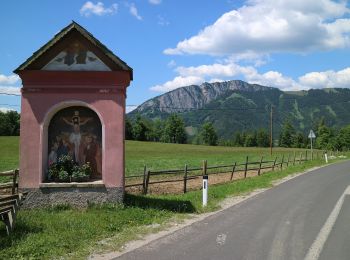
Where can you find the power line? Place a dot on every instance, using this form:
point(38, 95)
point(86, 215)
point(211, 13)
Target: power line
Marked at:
point(9, 94)
point(3, 104)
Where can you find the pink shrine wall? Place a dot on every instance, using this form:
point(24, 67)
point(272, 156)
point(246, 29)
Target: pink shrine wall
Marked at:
point(44, 93)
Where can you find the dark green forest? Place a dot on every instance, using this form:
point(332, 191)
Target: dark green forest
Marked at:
point(9, 123)
point(172, 130)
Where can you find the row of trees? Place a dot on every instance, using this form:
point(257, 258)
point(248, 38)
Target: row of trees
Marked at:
point(327, 138)
point(289, 137)
point(331, 138)
point(172, 130)
point(259, 138)
point(9, 123)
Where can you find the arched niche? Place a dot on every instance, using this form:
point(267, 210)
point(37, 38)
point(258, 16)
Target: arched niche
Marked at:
point(76, 131)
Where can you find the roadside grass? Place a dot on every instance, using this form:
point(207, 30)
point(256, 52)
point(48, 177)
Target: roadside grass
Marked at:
point(63, 232)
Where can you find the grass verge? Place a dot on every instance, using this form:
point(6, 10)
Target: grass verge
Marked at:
point(63, 232)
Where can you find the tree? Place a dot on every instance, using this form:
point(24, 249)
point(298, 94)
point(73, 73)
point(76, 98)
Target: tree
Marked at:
point(208, 134)
point(344, 137)
point(155, 130)
point(250, 140)
point(174, 130)
point(9, 123)
point(324, 134)
point(128, 129)
point(298, 140)
point(139, 129)
point(262, 138)
point(287, 134)
point(238, 140)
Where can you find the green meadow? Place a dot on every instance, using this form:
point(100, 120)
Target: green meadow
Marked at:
point(158, 156)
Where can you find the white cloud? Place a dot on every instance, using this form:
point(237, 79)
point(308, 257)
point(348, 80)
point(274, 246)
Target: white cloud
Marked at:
point(177, 82)
point(98, 9)
point(273, 79)
point(162, 21)
point(171, 64)
point(9, 90)
point(269, 26)
point(134, 12)
point(155, 2)
point(221, 72)
point(214, 70)
point(12, 79)
point(329, 79)
point(6, 109)
point(130, 108)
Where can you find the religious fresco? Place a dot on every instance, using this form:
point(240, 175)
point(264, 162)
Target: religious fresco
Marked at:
point(76, 57)
point(77, 132)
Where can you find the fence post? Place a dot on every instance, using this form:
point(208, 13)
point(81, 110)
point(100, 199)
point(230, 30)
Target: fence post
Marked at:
point(294, 158)
point(274, 164)
point(204, 168)
point(288, 160)
point(282, 162)
point(260, 165)
point(185, 179)
point(147, 182)
point(233, 170)
point(301, 156)
point(144, 179)
point(14, 180)
point(306, 155)
point(246, 168)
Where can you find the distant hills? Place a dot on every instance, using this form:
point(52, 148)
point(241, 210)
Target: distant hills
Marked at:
point(239, 106)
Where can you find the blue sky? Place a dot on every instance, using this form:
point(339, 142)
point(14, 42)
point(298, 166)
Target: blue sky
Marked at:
point(291, 45)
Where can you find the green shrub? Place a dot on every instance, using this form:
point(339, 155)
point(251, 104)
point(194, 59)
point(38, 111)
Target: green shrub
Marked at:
point(66, 170)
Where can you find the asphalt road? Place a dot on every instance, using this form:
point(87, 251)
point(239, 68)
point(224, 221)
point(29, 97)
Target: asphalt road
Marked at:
point(294, 220)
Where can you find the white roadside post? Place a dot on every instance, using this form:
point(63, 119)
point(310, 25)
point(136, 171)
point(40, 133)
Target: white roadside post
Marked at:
point(326, 157)
point(312, 136)
point(205, 190)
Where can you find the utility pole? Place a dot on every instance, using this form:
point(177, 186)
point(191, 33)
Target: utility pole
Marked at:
point(271, 128)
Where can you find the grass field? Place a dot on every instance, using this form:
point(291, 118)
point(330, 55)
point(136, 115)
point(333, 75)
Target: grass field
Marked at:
point(9, 152)
point(65, 233)
point(158, 156)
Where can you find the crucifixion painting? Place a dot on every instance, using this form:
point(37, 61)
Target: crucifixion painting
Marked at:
point(77, 132)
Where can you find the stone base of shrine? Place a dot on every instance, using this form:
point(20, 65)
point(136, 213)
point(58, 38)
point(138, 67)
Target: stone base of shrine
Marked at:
point(78, 195)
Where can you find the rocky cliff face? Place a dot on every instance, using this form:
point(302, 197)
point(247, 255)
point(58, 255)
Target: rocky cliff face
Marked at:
point(194, 96)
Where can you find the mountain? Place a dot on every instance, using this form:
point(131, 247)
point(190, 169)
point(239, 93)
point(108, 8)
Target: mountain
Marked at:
point(237, 105)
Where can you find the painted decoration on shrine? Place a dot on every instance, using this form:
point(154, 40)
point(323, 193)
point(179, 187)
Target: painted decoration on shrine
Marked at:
point(76, 57)
point(76, 133)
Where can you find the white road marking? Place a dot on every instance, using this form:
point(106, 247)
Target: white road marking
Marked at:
point(317, 246)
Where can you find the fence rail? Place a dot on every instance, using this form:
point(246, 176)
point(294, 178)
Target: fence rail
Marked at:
point(150, 177)
point(13, 185)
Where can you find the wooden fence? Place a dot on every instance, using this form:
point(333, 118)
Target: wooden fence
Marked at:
point(150, 177)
